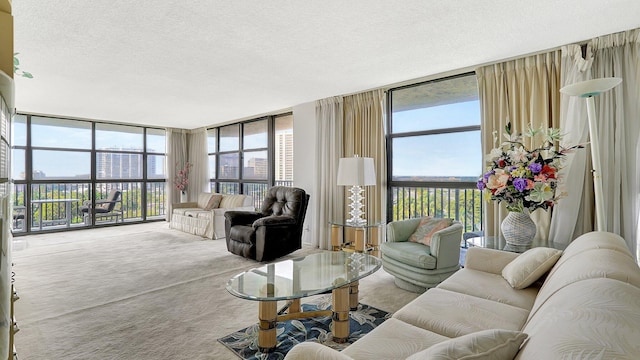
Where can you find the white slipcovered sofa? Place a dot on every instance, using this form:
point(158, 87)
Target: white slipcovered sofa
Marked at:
point(195, 218)
point(587, 307)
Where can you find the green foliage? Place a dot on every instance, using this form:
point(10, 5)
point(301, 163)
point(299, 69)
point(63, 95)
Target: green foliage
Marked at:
point(464, 205)
point(16, 68)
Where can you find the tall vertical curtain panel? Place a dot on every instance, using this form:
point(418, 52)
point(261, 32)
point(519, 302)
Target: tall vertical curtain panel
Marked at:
point(523, 91)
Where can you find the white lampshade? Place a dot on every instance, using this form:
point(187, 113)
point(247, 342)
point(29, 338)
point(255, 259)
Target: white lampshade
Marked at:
point(356, 171)
point(591, 87)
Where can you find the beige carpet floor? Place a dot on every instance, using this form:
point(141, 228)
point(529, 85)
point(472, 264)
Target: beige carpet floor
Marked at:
point(139, 292)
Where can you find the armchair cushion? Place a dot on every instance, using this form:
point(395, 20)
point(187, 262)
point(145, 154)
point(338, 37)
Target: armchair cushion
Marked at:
point(413, 254)
point(427, 227)
point(274, 221)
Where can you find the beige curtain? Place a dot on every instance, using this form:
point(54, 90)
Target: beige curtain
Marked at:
point(176, 157)
point(364, 136)
point(617, 114)
point(199, 159)
point(327, 197)
point(523, 91)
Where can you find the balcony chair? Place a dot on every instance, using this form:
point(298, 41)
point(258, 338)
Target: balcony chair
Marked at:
point(18, 217)
point(104, 207)
point(416, 266)
point(273, 232)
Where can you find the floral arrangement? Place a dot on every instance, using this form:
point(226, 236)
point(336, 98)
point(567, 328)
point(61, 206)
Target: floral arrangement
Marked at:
point(182, 177)
point(522, 178)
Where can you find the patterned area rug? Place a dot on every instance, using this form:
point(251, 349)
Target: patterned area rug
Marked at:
point(244, 343)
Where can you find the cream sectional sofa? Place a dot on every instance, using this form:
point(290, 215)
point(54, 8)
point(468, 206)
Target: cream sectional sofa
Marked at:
point(587, 307)
point(192, 217)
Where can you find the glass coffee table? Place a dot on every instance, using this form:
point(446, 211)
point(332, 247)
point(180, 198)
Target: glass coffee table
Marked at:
point(291, 280)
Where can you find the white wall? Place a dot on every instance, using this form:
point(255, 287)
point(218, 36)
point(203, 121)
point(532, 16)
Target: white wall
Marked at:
point(304, 158)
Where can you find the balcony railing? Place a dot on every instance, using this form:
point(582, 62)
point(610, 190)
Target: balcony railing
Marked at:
point(461, 204)
point(58, 205)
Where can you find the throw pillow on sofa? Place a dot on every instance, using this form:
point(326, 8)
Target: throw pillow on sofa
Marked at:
point(485, 344)
point(214, 202)
point(530, 266)
point(427, 227)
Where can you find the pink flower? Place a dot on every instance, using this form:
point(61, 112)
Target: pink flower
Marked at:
point(182, 177)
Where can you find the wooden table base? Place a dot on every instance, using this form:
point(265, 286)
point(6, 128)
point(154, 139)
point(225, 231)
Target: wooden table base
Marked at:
point(343, 299)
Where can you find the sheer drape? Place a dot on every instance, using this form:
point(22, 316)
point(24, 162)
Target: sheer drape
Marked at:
point(328, 198)
point(176, 157)
point(523, 91)
point(618, 119)
point(364, 136)
point(198, 157)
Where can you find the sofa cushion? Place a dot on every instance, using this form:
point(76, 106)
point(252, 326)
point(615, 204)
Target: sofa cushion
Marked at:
point(491, 287)
point(191, 212)
point(486, 344)
point(393, 339)
point(589, 319)
point(453, 314)
point(589, 264)
point(214, 202)
point(197, 213)
point(411, 253)
point(234, 201)
point(203, 199)
point(530, 266)
point(427, 227)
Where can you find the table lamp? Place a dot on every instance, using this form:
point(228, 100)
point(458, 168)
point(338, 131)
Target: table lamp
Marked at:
point(356, 172)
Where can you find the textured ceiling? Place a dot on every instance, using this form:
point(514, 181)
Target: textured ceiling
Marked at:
point(201, 62)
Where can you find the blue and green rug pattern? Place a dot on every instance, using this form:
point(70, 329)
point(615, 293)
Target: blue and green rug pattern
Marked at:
point(244, 343)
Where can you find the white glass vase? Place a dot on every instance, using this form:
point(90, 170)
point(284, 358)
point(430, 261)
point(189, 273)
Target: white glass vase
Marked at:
point(518, 228)
point(183, 196)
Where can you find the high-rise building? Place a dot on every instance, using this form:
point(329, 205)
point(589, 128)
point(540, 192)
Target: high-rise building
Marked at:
point(257, 168)
point(118, 165)
point(284, 156)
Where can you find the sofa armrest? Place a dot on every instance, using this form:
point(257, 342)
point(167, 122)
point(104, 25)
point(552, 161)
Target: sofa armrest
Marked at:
point(311, 350)
point(184, 205)
point(242, 217)
point(398, 231)
point(488, 260)
point(274, 221)
point(445, 246)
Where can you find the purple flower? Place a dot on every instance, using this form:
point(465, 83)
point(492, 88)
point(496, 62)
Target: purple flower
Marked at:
point(481, 185)
point(535, 167)
point(520, 184)
point(486, 176)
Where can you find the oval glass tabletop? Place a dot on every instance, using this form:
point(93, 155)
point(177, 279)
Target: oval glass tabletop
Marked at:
point(305, 276)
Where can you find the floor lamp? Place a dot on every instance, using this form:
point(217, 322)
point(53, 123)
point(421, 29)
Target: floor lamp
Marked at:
point(587, 90)
point(357, 172)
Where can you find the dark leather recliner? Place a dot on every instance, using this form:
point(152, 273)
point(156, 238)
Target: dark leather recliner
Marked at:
point(273, 232)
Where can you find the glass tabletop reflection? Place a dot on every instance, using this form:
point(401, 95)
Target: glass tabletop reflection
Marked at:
point(305, 276)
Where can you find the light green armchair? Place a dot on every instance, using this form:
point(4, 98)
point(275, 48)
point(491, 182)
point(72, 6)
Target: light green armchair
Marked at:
point(417, 267)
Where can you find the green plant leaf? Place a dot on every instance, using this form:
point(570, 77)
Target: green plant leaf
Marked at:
point(27, 75)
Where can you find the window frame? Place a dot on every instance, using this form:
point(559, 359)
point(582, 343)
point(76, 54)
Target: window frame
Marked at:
point(390, 136)
point(218, 184)
point(92, 181)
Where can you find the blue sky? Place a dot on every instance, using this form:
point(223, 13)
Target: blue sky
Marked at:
point(456, 154)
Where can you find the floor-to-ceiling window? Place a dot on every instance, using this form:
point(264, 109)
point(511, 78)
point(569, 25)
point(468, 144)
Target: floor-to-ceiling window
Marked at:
point(62, 167)
point(434, 152)
point(250, 156)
